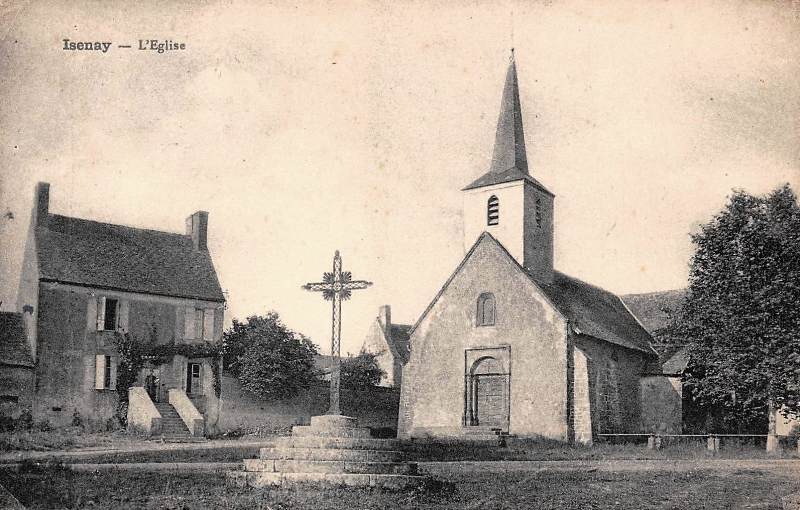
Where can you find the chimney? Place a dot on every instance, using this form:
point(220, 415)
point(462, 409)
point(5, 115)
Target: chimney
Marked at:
point(385, 317)
point(197, 227)
point(41, 203)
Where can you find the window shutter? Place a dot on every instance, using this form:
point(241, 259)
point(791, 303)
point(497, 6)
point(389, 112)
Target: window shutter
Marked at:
point(208, 324)
point(113, 381)
point(101, 312)
point(99, 371)
point(188, 322)
point(91, 313)
point(122, 320)
point(198, 323)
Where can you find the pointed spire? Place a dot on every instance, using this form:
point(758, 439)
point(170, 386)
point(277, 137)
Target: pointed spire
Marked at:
point(509, 144)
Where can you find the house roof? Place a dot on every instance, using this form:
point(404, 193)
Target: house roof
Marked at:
point(655, 309)
point(591, 310)
point(13, 342)
point(399, 336)
point(103, 255)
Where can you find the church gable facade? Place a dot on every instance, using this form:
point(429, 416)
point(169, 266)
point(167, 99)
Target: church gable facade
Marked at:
point(489, 352)
point(510, 344)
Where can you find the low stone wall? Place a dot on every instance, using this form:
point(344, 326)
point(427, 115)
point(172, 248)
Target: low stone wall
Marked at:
point(376, 408)
point(143, 417)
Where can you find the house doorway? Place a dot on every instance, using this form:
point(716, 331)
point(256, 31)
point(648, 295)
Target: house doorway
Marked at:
point(194, 384)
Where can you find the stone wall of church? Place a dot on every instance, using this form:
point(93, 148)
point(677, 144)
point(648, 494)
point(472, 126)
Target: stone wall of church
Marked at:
point(433, 390)
point(613, 374)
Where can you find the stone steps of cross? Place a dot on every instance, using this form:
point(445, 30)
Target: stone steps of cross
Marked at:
point(310, 430)
point(329, 466)
point(266, 479)
point(279, 453)
point(349, 443)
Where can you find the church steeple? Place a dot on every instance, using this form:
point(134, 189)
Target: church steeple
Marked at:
point(509, 143)
point(507, 201)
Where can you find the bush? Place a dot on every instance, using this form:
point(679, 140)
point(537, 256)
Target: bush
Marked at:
point(271, 361)
point(361, 372)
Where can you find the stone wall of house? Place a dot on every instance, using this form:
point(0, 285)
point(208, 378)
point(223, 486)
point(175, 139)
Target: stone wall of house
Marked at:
point(613, 374)
point(68, 343)
point(375, 408)
point(65, 371)
point(662, 403)
point(433, 390)
point(375, 343)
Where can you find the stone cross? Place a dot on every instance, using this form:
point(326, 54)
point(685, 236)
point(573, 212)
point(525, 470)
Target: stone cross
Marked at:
point(336, 286)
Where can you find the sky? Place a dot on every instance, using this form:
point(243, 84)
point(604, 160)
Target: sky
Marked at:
point(303, 129)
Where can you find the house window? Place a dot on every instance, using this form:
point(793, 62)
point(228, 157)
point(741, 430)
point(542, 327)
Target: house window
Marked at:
point(199, 324)
point(539, 212)
point(194, 385)
point(105, 376)
point(107, 314)
point(486, 309)
point(493, 211)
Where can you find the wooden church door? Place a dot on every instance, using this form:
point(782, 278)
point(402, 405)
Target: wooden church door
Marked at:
point(489, 394)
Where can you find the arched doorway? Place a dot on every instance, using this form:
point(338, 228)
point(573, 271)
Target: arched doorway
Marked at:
point(487, 394)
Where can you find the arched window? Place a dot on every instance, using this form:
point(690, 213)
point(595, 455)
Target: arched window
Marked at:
point(486, 310)
point(493, 211)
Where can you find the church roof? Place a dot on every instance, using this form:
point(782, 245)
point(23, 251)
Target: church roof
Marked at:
point(591, 311)
point(13, 343)
point(509, 158)
point(104, 255)
point(596, 312)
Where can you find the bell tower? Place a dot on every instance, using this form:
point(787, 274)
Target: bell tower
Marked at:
point(507, 201)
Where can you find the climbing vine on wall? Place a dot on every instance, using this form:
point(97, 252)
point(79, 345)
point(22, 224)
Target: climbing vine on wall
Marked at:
point(133, 353)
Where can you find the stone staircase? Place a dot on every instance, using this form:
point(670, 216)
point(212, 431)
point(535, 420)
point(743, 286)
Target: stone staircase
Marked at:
point(173, 429)
point(331, 452)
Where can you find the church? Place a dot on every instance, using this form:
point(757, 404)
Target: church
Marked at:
point(510, 345)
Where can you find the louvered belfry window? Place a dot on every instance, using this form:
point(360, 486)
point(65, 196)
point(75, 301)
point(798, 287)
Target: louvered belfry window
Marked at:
point(493, 211)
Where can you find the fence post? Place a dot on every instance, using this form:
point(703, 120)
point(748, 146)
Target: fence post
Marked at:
point(713, 443)
point(773, 444)
point(654, 442)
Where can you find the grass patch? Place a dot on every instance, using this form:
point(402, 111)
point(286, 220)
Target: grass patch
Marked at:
point(532, 449)
point(57, 439)
point(709, 489)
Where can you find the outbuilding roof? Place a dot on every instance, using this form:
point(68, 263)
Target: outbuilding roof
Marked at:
point(104, 255)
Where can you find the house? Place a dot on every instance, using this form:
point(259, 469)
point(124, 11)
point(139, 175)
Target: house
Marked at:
point(87, 288)
point(16, 367)
point(389, 343)
point(511, 345)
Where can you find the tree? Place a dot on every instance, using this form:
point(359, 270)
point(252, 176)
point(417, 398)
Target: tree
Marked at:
point(270, 361)
point(361, 372)
point(741, 316)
